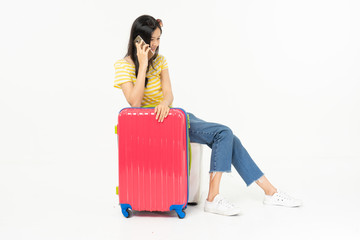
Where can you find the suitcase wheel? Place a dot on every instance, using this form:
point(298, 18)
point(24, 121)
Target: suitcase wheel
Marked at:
point(181, 214)
point(128, 213)
point(126, 210)
point(179, 209)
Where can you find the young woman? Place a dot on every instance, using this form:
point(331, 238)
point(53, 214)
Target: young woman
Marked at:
point(146, 82)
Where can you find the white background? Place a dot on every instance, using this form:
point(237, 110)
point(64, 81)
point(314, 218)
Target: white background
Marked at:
point(284, 75)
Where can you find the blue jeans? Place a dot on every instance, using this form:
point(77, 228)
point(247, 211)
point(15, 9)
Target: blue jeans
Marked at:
point(226, 149)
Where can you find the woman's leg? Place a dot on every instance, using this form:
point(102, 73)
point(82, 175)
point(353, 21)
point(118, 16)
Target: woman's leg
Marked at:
point(226, 146)
point(265, 185)
point(214, 185)
point(226, 150)
point(220, 139)
point(248, 169)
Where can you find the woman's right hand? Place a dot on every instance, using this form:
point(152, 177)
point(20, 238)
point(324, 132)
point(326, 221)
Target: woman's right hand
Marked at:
point(142, 54)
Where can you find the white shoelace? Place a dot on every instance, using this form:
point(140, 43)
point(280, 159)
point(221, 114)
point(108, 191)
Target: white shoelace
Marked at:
point(226, 203)
point(284, 196)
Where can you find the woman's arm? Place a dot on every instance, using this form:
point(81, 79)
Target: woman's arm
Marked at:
point(134, 93)
point(166, 87)
point(162, 110)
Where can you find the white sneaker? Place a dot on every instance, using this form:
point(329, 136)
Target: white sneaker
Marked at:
point(281, 198)
point(221, 206)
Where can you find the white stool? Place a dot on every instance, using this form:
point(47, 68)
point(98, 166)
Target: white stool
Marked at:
point(195, 173)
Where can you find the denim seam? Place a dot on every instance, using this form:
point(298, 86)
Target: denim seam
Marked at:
point(209, 133)
point(215, 158)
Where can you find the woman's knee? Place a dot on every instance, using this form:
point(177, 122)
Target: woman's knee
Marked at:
point(225, 131)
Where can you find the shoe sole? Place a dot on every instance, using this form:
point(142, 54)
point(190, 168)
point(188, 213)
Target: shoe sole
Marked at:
point(281, 205)
point(222, 213)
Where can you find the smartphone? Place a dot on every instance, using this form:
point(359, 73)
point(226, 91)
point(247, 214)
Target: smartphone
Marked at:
point(138, 39)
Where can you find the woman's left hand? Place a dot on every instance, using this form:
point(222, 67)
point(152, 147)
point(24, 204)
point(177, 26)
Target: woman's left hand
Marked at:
point(161, 111)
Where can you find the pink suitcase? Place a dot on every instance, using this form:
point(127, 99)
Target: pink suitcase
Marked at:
point(153, 161)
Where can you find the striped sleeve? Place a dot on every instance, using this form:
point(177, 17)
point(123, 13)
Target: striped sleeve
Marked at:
point(164, 64)
point(122, 74)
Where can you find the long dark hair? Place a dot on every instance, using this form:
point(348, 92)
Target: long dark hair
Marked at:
point(144, 26)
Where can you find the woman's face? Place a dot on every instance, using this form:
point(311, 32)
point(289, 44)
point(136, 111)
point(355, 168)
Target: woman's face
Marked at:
point(155, 39)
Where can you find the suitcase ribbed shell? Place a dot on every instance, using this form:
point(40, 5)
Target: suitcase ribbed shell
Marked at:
point(153, 171)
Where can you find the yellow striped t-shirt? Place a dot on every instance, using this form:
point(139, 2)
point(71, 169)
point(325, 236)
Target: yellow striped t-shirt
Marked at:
point(125, 72)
